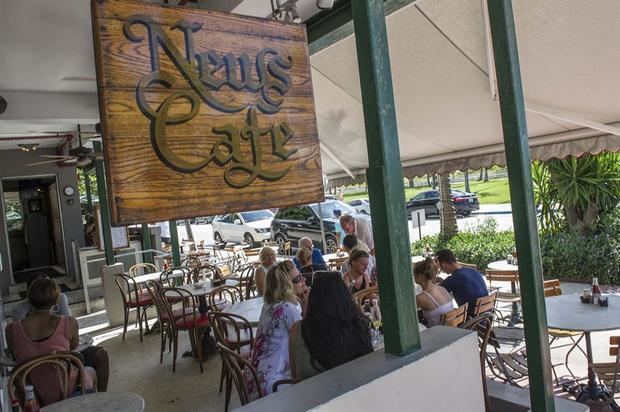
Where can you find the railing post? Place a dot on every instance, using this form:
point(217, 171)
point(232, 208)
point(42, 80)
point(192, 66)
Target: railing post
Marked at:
point(146, 242)
point(385, 180)
point(174, 243)
point(104, 207)
point(522, 199)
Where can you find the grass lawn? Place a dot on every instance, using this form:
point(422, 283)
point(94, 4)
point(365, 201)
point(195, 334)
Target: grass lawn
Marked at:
point(491, 192)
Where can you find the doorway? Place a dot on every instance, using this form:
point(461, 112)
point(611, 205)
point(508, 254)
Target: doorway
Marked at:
point(34, 227)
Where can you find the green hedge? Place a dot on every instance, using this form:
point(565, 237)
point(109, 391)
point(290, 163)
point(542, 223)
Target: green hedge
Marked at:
point(565, 255)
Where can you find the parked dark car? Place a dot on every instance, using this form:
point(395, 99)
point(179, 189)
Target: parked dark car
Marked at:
point(293, 223)
point(464, 202)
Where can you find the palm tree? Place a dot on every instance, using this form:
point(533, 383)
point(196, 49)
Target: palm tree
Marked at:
point(447, 213)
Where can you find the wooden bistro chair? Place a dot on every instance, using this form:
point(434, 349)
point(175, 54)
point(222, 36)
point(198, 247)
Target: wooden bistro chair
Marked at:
point(455, 318)
point(553, 288)
point(236, 333)
point(337, 263)
point(287, 249)
point(482, 325)
point(63, 364)
point(485, 304)
point(245, 276)
point(235, 364)
point(133, 298)
point(365, 294)
point(142, 269)
point(165, 324)
point(468, 265)
point(222, 297)
point(513, 297)
point(190, 319)
point(609, 372)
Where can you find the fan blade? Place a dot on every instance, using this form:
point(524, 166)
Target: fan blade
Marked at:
point(53, 161)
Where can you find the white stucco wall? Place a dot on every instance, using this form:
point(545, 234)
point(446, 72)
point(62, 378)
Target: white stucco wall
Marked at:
point(446, 380)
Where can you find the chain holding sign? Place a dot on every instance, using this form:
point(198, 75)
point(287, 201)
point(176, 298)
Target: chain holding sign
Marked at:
point(203, 112)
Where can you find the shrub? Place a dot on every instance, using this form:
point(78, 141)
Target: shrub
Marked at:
point(480, 245)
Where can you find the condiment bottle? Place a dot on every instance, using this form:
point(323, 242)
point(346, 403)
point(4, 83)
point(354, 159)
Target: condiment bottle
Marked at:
point(596, 291)
point(30, 404)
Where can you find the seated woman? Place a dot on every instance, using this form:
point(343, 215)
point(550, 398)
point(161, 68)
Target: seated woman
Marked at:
point(350, 243)
point(267, 257)
point(304, 257)
point(42, 333)
point(93, 356)
point(333, 332)
point(357, 278)
point(281, 309)
point(434, 300)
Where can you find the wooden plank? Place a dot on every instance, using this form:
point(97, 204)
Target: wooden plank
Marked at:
point(203, 112)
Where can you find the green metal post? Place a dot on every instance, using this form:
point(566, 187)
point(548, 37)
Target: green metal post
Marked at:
point(522, 199)
point(146, 242)
point(89, 196)
point(174, 241)
point(385, 180)
point(104, 207)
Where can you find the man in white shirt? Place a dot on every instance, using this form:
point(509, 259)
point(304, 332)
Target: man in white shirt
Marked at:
point(361, 228)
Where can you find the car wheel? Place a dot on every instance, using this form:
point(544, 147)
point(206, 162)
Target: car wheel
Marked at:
point(217, 237)
point(331, 244)
point(247, 238)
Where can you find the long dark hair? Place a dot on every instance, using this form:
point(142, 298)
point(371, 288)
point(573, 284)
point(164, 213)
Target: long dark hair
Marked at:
point(334, 329)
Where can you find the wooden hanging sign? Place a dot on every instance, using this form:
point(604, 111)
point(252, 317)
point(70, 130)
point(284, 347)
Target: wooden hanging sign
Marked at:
point(203, 112)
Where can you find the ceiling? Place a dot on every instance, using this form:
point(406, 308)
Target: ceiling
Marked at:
point(446, 112)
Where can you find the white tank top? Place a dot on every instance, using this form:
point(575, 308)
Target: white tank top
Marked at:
point(433, 316)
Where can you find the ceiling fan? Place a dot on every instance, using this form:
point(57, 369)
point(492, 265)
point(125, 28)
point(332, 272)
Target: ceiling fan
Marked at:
point(79, 156)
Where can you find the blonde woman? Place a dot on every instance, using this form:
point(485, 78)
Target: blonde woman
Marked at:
point(281, 309)
point(267, 257)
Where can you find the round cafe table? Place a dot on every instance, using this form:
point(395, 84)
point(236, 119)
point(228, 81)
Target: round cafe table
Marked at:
point(99, 402)
point(504, 266)
point(568, 313)
point(203, 291)
point(249, 309)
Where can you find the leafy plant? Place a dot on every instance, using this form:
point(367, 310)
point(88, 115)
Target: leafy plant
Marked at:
point(550, 217)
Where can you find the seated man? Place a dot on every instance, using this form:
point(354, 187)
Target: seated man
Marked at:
point(317, 256)
point(465, 284)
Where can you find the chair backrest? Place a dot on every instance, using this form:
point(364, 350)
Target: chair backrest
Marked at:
point(552, 287)
point(502, 276)
point(365, 294)
point(336, 263)
point(142, 269)
point(235, 364)
point(62, 362)
point(456, 317)
point(485, 304)
point(224, 270)
point(153, 288)
point(252, 252)
point(166, 279)
point(245, 275)
point(482, 325)
point(287, 249)
point(128, 287)
point(228, 329)
point(468, 265)
point(223, 296)
point(171, 297)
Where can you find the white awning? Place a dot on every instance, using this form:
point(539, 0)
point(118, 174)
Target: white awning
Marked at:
point(447, 117)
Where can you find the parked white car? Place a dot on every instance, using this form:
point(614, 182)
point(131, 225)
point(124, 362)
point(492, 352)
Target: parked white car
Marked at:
point(361, 205)
point(248, 227)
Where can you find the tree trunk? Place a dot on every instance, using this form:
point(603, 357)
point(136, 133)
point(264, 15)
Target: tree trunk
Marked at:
point(486, 174)
point(447, 213)
point(428, 181)
point(466, 174)
point(435, 183)
point(481, 174)
point(190, 234)
point(410, 179)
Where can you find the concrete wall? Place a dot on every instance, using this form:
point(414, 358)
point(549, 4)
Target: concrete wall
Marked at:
point(13, 165)
point(444, 376)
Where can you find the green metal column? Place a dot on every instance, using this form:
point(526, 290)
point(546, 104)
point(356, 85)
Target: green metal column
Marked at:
point(174, 242)
point(146, 242)
point(89, 196)
point(522, 199)
point(104, 207)
point(385, 180)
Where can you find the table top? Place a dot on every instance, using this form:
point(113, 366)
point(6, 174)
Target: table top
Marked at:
point(568, 313)
point(502, 265)
point(249, 309)
point(334, 256)
point(99, 402)
point(156, 275)
point(207, 288)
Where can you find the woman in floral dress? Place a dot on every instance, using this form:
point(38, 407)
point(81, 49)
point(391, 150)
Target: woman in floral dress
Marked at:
point(281, 309)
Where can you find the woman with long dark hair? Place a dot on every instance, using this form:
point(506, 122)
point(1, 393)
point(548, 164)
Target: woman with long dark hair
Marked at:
point(334, 330)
